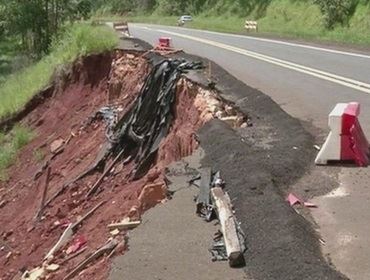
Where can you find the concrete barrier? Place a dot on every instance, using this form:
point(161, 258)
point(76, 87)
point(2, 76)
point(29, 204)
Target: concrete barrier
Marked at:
point(346, 140)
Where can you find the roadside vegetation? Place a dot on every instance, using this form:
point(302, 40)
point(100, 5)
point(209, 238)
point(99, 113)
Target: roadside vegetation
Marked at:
point(10, 144)
point(345, 21)
point(36, 37)
point(76, 40)
point(19, 87)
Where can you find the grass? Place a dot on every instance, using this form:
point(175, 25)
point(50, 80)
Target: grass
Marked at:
point(284, 18)
point(10, 144)
point(76, 40)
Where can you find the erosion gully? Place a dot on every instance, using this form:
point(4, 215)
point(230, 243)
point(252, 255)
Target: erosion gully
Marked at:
point(70, 139)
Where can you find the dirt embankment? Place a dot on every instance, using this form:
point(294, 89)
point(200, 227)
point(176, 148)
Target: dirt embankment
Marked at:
point(69, 136)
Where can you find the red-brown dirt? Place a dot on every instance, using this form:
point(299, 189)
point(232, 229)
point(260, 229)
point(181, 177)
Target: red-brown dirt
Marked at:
point(92, 82)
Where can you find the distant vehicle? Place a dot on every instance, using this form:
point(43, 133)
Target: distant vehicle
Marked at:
point(183, 19)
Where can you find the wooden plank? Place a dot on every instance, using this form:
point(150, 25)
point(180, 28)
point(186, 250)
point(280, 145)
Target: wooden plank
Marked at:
point(64, 239)
point(222, 204)
point(204, 187)
point(124, 225)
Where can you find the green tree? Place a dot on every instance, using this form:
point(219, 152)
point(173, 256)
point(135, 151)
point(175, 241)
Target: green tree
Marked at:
point(336, 11)
point(36, 21)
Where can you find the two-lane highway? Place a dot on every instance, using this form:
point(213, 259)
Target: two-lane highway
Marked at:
point(307, 81)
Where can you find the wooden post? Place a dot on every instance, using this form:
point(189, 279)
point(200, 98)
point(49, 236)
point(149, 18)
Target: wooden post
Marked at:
point(222, 202)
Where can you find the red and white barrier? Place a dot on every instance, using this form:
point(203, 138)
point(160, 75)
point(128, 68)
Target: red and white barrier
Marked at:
point(346, 140)
point(164, 43)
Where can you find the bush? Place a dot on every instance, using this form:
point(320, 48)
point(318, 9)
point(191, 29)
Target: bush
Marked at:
point(10, 144)
point(336, 11)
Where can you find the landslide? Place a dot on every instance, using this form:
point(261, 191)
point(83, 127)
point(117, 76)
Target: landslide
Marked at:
point(70, 137)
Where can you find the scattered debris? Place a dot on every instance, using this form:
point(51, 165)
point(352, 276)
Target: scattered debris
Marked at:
point(64, 239)
point(115, 232)
point(35, 274)
point(69, 231)
point(56, 145)
point(7, 257)
point(78, 242)
point(233, 121)
point(218, 251)
point(293, 200)
point(229, 243)
point(110, 116)
point(52, 267)
point(309, 205)
point(217, 180)
point(124, 224)
point(72, 256)
point(106, 249)
point(317, 147)
point(322, 241)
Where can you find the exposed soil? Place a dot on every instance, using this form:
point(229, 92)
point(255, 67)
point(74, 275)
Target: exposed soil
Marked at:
point(70, 138)
point(259, 164)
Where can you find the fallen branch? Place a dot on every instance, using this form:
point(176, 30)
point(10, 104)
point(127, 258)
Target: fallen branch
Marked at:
point(109, 168)
point(55, 195)
point(109, 247)
point(222, 202)
point(43, 197)
point(87, 215)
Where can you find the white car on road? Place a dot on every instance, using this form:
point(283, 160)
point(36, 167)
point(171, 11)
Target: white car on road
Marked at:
point(183, 19)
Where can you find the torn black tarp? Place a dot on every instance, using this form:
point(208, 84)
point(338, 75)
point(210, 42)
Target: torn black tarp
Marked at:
point(140, 131)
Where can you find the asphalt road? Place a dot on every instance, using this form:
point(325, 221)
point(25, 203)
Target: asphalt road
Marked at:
point(306, 81)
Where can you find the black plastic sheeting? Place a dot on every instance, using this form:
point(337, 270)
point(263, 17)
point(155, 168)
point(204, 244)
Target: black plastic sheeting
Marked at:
point(140, 131)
